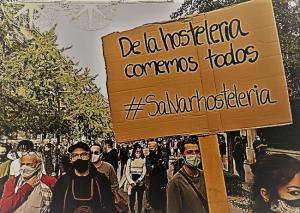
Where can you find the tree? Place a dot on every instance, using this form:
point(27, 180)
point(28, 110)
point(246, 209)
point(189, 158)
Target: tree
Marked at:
point(190, 7)
point(43, 91)
point(287, 21)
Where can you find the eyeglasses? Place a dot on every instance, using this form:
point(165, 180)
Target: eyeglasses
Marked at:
point(83, 155)
point(96, 153)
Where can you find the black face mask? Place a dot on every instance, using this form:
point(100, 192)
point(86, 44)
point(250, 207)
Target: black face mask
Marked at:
point(293, 203)
point(81, 165)
point(152, 152)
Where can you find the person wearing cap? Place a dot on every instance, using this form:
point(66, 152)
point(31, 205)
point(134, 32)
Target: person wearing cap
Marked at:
point(82, 188)
point(30, 191)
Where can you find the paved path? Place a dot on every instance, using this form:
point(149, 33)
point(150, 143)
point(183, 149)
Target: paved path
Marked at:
point(232, 209)
point(170, 171)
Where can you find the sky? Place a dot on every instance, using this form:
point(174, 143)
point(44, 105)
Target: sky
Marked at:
point(83, 32)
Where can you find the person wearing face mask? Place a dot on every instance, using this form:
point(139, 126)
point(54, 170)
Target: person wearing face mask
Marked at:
point(276, 184)
point(30, 191)
point(157, 164)
point(24, 147)
point(135, 173)
point(186, 191)
point(108, 170)
point(82, 188)
point(104, 167)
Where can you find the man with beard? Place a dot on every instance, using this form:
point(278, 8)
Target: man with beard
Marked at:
point(30, 191)
point(157, 164)
point(186, 191)
point(82, 188)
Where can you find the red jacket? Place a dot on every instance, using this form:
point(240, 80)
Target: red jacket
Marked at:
point(10, 200)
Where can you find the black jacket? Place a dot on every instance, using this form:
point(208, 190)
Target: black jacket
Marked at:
point(157, 166)
point(63, 183)
point(112, 158)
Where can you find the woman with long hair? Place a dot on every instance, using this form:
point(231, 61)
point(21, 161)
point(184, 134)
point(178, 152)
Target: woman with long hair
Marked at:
point(276, 184)
point(135, 173)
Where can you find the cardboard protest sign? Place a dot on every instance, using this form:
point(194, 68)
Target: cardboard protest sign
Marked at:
point(211, 72)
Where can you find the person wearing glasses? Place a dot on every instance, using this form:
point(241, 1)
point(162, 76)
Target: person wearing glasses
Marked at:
point(104, 167)
point(135, 173)
point(82, 188)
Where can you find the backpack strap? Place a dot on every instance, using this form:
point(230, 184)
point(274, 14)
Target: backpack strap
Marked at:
point(200, 196)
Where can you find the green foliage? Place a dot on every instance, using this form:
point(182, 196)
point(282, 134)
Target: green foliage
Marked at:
point(190, 7)
point(43, 91)
point(287, 21)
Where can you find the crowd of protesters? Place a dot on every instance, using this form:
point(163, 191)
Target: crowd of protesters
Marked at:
point(94, 176)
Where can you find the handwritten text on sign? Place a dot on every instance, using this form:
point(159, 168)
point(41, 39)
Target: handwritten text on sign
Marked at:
point(210, 72)
point(223, 32)
point(226, 99)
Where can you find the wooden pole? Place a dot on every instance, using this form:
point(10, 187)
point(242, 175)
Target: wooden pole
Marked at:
point(213, 174)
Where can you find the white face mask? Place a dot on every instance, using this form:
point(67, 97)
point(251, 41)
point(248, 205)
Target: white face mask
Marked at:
point(193, 160)
point(95, 158)
point(27, 171)
point(20, 154)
